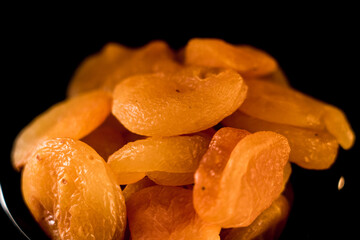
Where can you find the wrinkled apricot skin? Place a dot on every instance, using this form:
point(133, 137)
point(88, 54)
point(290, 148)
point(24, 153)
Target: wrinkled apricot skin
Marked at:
point(267, 226)
point(71, 192)
point(160, 212)
point(250, 180)
point(175, 104)
point(274, 103)
point(179, 154)
point(212, 164)
point(74, 118)
point(247, 60)
point(310, 149)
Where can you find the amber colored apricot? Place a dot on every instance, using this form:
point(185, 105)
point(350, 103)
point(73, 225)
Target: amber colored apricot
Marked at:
point(247, 60)
point(132, 188)
point(161, 212)
point(74, 118)
point(179, 154)
point(95, 69)
point(268, 225)
point(71, 192)
point(338, 125)
point(212, 164)
point(310, 149)
point(175, 104)
point(248, 177)
point(107, 138)
point(274, 103)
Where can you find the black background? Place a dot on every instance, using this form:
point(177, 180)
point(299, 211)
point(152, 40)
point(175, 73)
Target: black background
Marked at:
point(317, 48)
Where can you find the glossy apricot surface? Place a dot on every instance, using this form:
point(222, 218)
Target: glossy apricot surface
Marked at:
point(160, 212)
point(71, 192)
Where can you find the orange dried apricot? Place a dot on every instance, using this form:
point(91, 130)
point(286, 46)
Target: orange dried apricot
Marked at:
point(75, 118)
point(174, 104)
point(160, 212)
point(95, 69)
point(71, 192)
point(179, 154)
point(107, 138)
point(247, 60)
point(337, 124)
point(274, 103)
point(310, 149)
point(234, 185)
point(268, 225)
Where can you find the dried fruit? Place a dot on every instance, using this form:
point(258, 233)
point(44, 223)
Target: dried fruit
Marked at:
point(274, 103)
point(266, 226)
point(180, 154)
point(311, 149)
point(174, 104)
point(160, 212)
point(74, 118)
point(234, 185)
point(247, 60)
point(71, 193)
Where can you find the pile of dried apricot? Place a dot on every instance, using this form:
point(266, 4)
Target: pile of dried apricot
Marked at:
point(157, 144)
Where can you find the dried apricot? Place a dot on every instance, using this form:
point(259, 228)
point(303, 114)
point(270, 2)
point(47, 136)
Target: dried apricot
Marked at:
point(274, 103)
point(174, 104)
point(75, 118)
point(160, 212)
point(95, 69)
point(70, 191)
point(107, 138)
point(234, 185)
point(311, 149)
point(247, 60)
point(337, 124)
point(179, 154)
point(268, 225)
